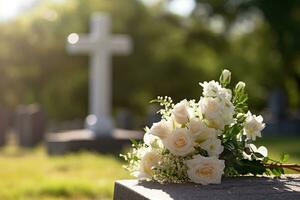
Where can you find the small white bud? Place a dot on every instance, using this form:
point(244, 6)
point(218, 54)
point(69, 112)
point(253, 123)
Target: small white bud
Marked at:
point(240, 87)
point(225, 77)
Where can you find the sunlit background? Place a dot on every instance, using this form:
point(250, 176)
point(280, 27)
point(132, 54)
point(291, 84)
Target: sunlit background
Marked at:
point(13, 8)
point(176, 45)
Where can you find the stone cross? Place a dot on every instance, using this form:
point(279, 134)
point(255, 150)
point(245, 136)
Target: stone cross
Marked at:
point(99, 44)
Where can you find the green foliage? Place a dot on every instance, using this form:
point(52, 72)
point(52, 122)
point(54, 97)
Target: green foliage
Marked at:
point(254, 167)
point(240, 98)
point(284, 157)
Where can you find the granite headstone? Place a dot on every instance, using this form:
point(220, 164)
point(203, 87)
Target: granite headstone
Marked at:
point(30, 125)
point(245, 188)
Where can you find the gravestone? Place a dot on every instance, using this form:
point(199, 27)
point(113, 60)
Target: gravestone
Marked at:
point(240, 188)
point(84, 139)
point(124, 119)
point(100, 135)
point(5, 117)
point(278, 105)
point(30, 125)
point(279, 121)
point(99, 44)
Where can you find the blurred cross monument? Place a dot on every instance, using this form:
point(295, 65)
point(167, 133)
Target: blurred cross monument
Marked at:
point(99, 44)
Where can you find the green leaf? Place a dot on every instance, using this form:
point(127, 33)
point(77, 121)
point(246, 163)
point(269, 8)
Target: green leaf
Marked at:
point(277, 171)
point(250, 167)
point(284, 157)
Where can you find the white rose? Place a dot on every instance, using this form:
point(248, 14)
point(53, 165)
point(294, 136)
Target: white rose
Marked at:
point(213, 146)
point(205, 170)
point(161, 129)
point(149, 160)
point(225, 94)
point(181, 112)
point(179, 142)
point(210, 107)
point(199, 131)
point(217, 112)
point(253, 126)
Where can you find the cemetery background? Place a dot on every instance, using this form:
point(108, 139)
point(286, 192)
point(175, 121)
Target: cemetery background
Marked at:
point(257, 41)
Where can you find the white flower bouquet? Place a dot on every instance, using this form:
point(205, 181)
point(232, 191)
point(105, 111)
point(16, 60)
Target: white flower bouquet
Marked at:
point(201, 141)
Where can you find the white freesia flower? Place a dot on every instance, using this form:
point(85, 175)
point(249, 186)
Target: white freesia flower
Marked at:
point(149, 160)
point(211, 88)
point(214, 89)
point(217, 112)
point(213, 146)
point(162, 129)
point(179, 142)
point(261, 150)
point(205, 170)
point(199, 131)
point(253, 126)
point(181, 112)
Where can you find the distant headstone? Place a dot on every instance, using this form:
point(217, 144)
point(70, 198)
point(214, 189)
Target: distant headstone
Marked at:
point(5, 117)
point(124, 119)
point(279, 121)
point(278, 105)
point(30, 125)
point(77, 140)
point(99, 44)
point(245, 188)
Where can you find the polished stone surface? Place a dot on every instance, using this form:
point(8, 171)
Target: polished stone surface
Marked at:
point(245, 188)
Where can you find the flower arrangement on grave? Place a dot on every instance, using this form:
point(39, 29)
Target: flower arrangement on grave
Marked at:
point(202, 140)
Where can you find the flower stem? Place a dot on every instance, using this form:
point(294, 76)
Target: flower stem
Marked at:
point(294, 167)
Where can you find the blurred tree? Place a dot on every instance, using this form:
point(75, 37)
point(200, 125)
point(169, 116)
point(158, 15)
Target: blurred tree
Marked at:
point(171, 53)
point(283, 18)
point(279, 31)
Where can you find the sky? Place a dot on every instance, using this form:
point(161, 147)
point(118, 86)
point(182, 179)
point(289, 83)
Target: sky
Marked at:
point(180, 7)
point(11, 8)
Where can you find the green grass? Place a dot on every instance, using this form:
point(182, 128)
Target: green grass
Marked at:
point(32, 174)
point(279, 145)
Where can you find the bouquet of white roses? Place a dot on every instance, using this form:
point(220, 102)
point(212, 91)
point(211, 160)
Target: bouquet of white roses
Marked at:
point(201, 141)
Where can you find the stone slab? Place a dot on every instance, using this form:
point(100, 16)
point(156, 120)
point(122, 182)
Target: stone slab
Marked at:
point(245, 188)
point(77, 140)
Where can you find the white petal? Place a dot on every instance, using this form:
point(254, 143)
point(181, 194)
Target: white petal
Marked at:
point(263, 151)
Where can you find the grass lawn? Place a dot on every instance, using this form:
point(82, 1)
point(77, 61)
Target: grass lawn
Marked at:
point(31, 174)
point(34, 175)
